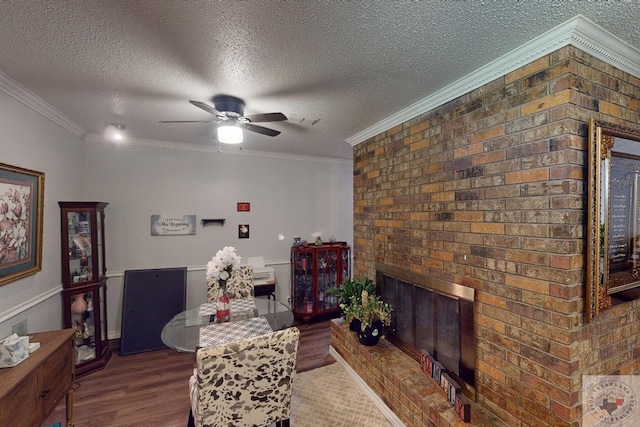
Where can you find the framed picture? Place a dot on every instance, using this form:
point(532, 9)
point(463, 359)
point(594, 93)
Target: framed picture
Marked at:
point(244, 206)
point(243, 231)
point(21, 204)
point(613, 246)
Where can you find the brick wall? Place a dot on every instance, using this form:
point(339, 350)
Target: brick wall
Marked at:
point(489, 191)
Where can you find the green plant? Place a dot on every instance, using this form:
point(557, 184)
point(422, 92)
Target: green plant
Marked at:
point(351, 288)
point(368, 309)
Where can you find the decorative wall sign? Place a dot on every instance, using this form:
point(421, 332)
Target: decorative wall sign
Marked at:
point(244, 206)
point(243, 231)
point(173, 225)
point(21, 201)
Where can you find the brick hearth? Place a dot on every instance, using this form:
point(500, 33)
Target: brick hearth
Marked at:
point(399, 381)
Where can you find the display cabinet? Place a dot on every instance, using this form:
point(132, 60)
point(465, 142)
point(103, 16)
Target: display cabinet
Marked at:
point(314, 270)
point(83, 256)
point(84, 282)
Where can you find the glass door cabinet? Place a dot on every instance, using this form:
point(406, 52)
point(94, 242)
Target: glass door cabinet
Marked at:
point(315, 269)
point(84, 282)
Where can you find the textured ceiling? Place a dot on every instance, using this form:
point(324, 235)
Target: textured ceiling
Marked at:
point(350, 64)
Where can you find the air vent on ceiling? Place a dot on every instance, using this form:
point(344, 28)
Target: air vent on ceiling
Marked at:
point(294, 118)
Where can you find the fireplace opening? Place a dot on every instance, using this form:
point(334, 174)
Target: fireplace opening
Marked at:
point(432, 315)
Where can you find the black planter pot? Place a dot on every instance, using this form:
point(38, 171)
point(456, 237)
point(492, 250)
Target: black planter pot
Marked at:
point(354, 325)
point(371, 334)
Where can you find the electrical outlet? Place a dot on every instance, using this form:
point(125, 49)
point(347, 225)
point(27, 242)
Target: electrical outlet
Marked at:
point(20, 328)
point(289, 300)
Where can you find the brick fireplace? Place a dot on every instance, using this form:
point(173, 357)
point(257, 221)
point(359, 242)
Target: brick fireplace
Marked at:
point(488, 191)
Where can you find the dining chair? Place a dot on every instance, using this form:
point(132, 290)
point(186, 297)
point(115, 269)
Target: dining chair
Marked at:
point(245, 383)
point(239, 285)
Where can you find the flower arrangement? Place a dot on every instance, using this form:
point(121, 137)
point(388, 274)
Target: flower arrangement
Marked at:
point(369, 309)
point(14, 224)
point(222, 264)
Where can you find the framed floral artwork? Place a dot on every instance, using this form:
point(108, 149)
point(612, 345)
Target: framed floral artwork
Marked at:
point(21, 217)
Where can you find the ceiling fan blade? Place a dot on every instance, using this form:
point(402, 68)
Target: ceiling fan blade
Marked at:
point(259, 129)
point(267, 117)
point(187, 121)
point(209, 109)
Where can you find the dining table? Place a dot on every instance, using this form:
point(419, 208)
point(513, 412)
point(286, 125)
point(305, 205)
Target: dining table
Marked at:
point(198, 327)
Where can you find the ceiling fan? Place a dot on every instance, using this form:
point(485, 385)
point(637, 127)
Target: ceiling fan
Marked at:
point(229, 113)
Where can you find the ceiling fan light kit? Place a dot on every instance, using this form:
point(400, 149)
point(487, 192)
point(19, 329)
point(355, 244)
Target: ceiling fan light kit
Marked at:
point(229, 134)
point(229, 113)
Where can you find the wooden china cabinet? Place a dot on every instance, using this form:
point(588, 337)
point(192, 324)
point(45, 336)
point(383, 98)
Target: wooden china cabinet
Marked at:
point(314, 270)
point(84, 282)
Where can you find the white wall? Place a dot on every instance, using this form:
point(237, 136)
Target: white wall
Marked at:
point(289, 197)
point(30, 141)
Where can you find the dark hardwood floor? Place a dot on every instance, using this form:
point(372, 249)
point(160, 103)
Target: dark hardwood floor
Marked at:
point(152, 388)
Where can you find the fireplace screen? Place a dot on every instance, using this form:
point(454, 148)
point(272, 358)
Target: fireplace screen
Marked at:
point(404, 308)
point(425, 336)
point(431, 315)
point(448, 333)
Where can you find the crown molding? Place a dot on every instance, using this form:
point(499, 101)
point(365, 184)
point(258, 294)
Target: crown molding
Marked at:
point(598, 42)
point(213, 149)
point(31, 100)
point(578, 31)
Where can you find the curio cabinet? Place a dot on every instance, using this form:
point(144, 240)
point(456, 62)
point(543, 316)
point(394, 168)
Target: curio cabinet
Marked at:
point(314, 270)
point(84, 282)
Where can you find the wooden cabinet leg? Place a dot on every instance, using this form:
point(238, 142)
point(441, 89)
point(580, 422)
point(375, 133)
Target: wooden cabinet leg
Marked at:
point(70, 408)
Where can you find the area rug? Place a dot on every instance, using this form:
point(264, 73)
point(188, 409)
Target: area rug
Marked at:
point(328, 396)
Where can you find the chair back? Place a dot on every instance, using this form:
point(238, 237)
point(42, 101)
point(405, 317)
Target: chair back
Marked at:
point(239, 285)
point(247, 383)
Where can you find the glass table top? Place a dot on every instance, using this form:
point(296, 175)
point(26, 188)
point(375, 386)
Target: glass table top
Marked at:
point(182, 333)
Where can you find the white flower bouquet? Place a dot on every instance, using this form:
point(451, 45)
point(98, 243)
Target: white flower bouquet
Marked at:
point(222, 264)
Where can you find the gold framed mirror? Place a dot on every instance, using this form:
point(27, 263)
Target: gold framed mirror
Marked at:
point(613, 217)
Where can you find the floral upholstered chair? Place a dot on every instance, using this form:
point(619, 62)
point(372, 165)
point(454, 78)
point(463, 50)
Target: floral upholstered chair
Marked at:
point(239, 285)
point(246, 383)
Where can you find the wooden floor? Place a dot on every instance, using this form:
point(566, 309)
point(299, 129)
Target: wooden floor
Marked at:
point(151, 389)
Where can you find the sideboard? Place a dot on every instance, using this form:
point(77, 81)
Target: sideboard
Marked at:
point(32, 389)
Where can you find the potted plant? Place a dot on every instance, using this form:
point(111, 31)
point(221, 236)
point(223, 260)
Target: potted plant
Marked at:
point(371, 315)
point(347, 290)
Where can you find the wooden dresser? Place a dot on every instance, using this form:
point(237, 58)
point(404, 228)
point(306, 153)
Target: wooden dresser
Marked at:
point(31, 390)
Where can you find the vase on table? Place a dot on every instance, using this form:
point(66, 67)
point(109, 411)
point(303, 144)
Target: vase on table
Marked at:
point(223, 310)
